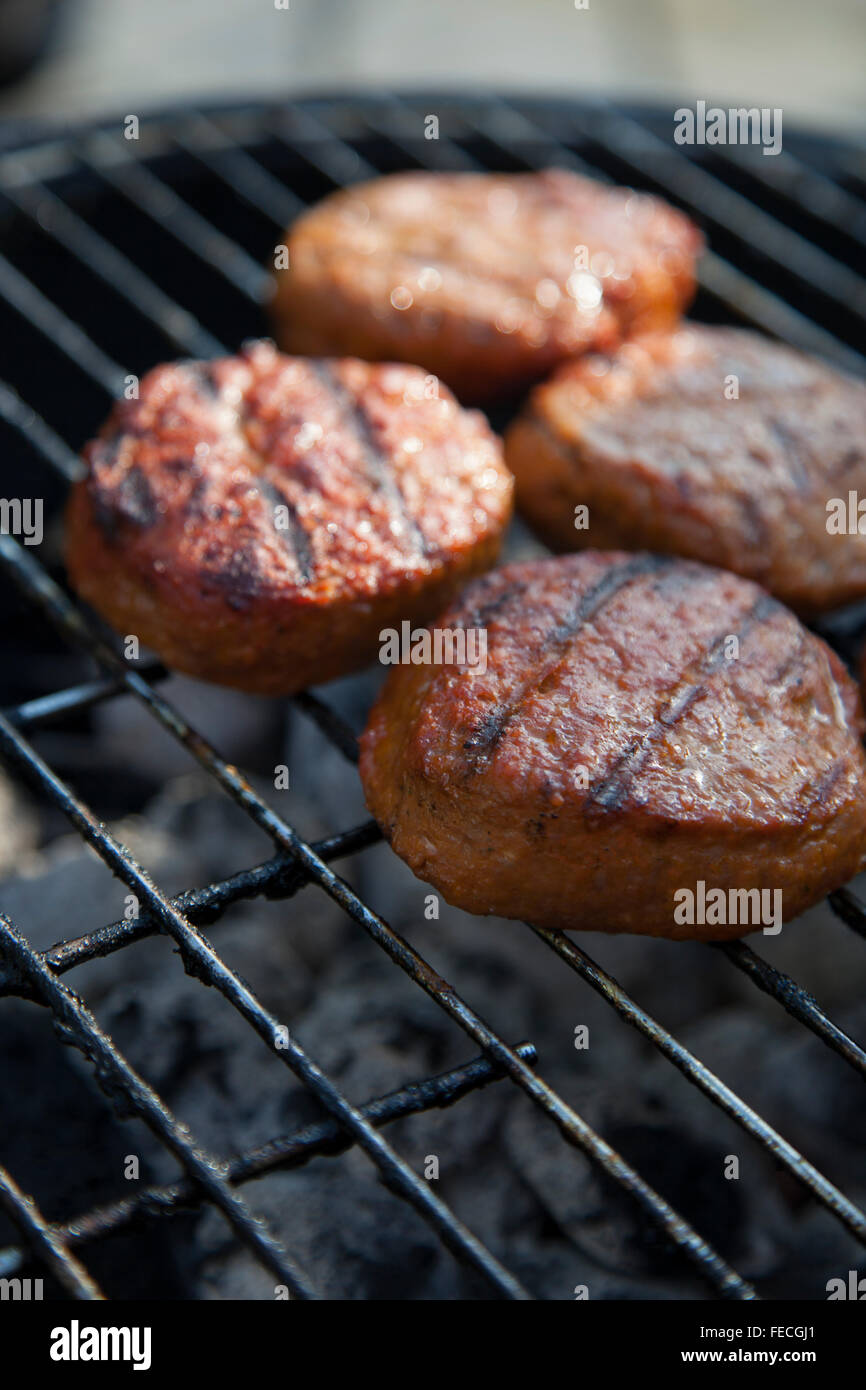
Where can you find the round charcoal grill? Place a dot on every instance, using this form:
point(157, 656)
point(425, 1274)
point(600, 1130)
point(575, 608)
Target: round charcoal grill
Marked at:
point(124, 245)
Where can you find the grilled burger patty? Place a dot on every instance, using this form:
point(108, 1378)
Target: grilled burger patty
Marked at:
point(256, 520)
point(487, 280)
point(644, 725)
point(713, 443)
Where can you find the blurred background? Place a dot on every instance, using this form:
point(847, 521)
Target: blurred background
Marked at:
point(104, 55)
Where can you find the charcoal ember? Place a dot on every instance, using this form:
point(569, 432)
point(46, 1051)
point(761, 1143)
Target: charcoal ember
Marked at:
point(19, 833)
point(65, 1146)
point(605, 1224)
point(814, 1100)
point(352, 1238)
point(539, 1204)
point(245, 732)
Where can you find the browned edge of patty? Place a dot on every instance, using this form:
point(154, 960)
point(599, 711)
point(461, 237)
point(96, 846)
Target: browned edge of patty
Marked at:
point(261, 615)
point(471, 821)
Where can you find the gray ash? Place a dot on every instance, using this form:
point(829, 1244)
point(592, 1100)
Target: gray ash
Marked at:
point(543, 1208)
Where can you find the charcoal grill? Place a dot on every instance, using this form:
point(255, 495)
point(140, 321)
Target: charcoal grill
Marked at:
point(118, 253)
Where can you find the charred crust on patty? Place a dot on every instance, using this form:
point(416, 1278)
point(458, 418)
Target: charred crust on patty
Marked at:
point(554, 647)
point(131, 501)
point(388, 502)
point(294, 537)
point(380, 467)
point(648, 441)
point(612, 791)
point(641, 755)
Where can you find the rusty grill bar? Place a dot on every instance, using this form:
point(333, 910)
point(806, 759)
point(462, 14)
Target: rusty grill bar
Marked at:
point(331, 140)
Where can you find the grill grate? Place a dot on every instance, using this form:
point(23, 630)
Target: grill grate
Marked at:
point(761, 270)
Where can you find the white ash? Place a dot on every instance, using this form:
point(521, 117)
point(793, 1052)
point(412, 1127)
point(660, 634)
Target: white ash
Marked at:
point(540, 1206)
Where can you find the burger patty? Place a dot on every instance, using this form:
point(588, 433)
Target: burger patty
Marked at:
point(487, 280)
point(256, 520)
point(644, 726)
point(713, 443)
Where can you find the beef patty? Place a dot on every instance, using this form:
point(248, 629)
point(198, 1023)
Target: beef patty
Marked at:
point(487, 280)
point(644, 726)
point(256, 520)
point(713, 443)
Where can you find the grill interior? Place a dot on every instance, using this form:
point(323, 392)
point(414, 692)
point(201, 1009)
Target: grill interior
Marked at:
point(117, 254)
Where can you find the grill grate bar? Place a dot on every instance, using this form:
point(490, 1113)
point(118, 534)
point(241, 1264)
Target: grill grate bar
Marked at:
point(106, 156)
point(45, 1242)
point(73, 342)
point(309, 136)
point(335, 164)
point(331, 724)
point(248, 179)
point(851, 165)
point(781, 987)
point(37, 433)
point(181, 329)
point(279, 879)
point(811, 192)
point(695, 1071)
point(694, 186)
point(118, 1079)
point(178, 325)
point(76, 698)
point(793, 998)
point(760, 306)
point(202, 961)
point(122, 275)
point(774, 315)
point(391, 122)
point(717, 276)
point(29, 574)
point(797, 1001)
point(202, 138)
point(59, 329)
point(728, 285)
point(849, 909)
point(289, 1151)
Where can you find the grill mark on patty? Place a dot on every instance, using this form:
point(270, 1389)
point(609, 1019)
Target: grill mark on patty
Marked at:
point(852, 458)
point(239, 577)
point(792, 445)
point(793, 664)
point(377, 462)
point(481, 615)
point(480, 744)
point(202, 377)
point(754, 519)
point(294, 538)
point(296, 543)
point(571, 451)
point(132, 500)
point(821, 790)
point(610, 792)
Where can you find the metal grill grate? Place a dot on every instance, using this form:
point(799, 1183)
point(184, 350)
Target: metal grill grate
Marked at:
point(152, 276)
